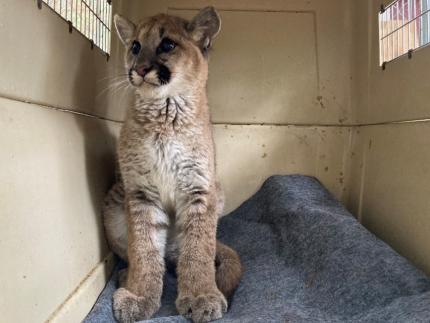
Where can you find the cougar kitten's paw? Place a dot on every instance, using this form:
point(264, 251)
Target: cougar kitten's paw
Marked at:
point(208, 307)
point(184, 305)
point(129, 308)
point(203, 308)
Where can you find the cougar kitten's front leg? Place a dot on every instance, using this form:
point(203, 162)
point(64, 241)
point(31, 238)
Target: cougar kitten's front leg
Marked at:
point(147, 225)
point(198, 295)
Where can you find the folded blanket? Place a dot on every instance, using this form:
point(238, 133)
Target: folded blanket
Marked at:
point(306, 259)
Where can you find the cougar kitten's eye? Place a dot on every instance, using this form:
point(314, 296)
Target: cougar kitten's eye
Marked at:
point(166, 46)
point(135, 47)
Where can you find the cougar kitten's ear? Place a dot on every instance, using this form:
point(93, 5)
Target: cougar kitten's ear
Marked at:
point(204, 27)
point(124, 28)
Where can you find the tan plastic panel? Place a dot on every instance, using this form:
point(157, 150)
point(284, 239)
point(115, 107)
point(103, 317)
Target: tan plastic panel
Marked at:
point(389, 164)
point(41, 62)
point(282, 62)
point(394, 163)
point(298, 70)
point(56, 168)
point(247, 155)
point(262, 70)
point(79, 304)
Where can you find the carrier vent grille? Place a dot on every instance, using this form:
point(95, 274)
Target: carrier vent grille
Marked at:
point(403, 27)
point(92, 18)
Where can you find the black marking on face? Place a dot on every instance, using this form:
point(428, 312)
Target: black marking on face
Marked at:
point(161, 32)
point(164, 74)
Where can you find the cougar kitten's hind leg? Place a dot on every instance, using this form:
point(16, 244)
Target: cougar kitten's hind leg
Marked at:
point(115, 221)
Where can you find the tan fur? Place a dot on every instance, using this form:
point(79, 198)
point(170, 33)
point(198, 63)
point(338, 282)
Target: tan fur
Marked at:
point(167, 203)
point(228, 269)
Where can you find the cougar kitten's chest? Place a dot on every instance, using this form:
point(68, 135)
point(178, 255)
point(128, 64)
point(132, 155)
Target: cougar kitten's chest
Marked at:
point(164, 159)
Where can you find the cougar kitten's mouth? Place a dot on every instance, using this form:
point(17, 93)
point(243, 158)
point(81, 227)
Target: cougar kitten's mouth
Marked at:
point(156, 76)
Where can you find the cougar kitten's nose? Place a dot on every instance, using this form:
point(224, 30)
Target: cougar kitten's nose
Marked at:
point(143, 70)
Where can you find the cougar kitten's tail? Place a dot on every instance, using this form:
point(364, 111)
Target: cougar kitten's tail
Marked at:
point(228, 269)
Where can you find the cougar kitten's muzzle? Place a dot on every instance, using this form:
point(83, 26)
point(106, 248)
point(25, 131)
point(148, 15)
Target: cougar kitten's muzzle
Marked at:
point(156, 75)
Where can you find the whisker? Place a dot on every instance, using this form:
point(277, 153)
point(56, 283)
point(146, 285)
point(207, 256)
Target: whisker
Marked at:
point(113, 86)
point(112, 77)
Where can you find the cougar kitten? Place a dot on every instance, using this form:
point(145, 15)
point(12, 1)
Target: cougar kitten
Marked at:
point(167, 202)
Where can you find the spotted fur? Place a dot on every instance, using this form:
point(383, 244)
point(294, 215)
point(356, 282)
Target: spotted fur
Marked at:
point(167, 202)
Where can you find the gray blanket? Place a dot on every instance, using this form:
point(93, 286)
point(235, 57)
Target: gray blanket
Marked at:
point(306, 259)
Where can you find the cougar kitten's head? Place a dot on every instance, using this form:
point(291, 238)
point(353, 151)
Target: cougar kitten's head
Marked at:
point(166, 55)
